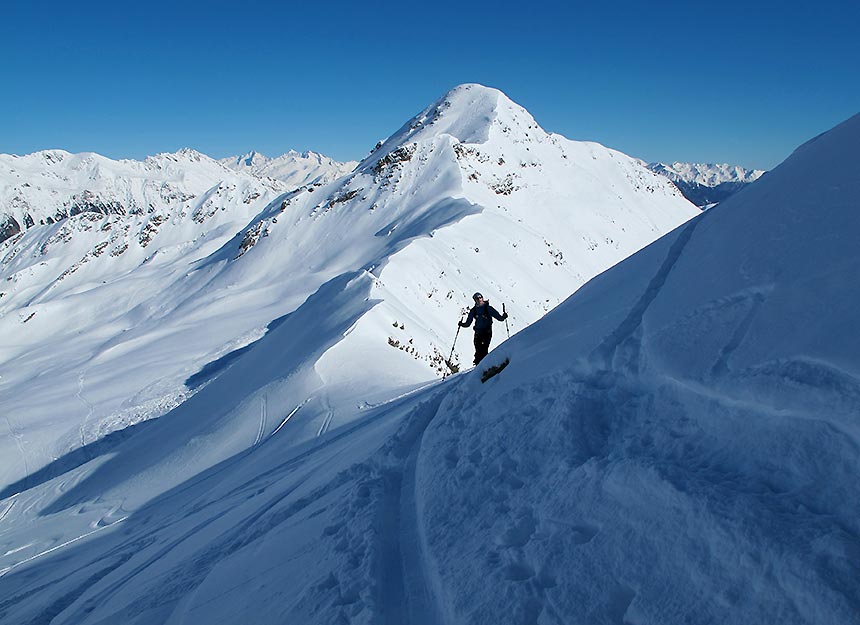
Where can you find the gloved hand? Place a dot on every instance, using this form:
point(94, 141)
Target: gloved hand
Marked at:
point(504, 315)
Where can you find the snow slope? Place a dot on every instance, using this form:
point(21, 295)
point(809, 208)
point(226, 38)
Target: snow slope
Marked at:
point(677, 442)
point(293, 168)
point(126, 316)
point(83, 300)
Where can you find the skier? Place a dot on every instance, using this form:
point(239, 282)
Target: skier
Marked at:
point(483, 315)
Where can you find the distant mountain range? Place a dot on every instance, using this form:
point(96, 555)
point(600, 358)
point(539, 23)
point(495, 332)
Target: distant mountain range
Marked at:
point(293, 168)
point(47, 186)
point(51, 185)
point(706, 184)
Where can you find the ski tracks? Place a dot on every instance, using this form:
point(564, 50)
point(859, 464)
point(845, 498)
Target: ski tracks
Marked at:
point(264, 409)
point(56, 547)
point(407, 593)
point(326, 423)
point(8, 508)
point(90, 409)
point(289, 416)
point(624, 336)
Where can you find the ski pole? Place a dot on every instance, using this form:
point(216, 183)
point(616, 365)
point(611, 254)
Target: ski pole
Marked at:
point(507, 327)
point(448, 362)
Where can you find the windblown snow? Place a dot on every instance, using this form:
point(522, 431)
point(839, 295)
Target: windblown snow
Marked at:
point(675, 442)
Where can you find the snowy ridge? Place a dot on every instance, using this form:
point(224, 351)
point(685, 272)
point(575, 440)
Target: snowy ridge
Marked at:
point(477, 160)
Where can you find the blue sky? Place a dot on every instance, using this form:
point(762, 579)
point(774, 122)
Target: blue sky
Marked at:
point(743, 83)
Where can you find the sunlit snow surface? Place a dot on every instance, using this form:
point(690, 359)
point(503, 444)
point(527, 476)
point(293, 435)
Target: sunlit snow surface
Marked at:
point(108, 321)
point(677, 442)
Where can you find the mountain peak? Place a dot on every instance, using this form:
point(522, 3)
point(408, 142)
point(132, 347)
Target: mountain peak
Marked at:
point(251, 158)
point(470, 113)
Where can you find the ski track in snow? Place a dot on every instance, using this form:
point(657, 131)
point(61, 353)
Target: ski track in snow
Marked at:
point(406, 589)
point(289, 416)
point(90, 410)
point(8, 508)
point(186, 575)
point(57, 547)
point(755, 299)
point(264, 408)
point(606, 352)
point(410, 393)
point(326, 423)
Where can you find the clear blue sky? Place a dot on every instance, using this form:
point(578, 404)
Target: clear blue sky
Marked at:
point(742, 83)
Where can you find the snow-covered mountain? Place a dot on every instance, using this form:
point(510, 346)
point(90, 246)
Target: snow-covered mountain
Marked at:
point(271, 329)
point(707, 184)
point(293, 168)
point(706, 174)
point(49, 186)
point(470, 195)
point(676, 442)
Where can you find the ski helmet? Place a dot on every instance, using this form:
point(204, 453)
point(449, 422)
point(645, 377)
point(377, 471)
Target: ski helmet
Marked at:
point(477, 296)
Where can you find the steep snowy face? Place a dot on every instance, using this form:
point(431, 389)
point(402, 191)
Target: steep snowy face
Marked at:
point(678, 441)
point(294, 169)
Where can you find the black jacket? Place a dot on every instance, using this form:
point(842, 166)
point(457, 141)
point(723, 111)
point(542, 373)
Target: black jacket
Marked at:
point(483, 316)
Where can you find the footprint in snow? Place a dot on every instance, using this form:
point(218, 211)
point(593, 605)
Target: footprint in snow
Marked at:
point(518, 533)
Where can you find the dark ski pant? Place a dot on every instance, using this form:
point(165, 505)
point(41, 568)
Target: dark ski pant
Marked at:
point(482, 344)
